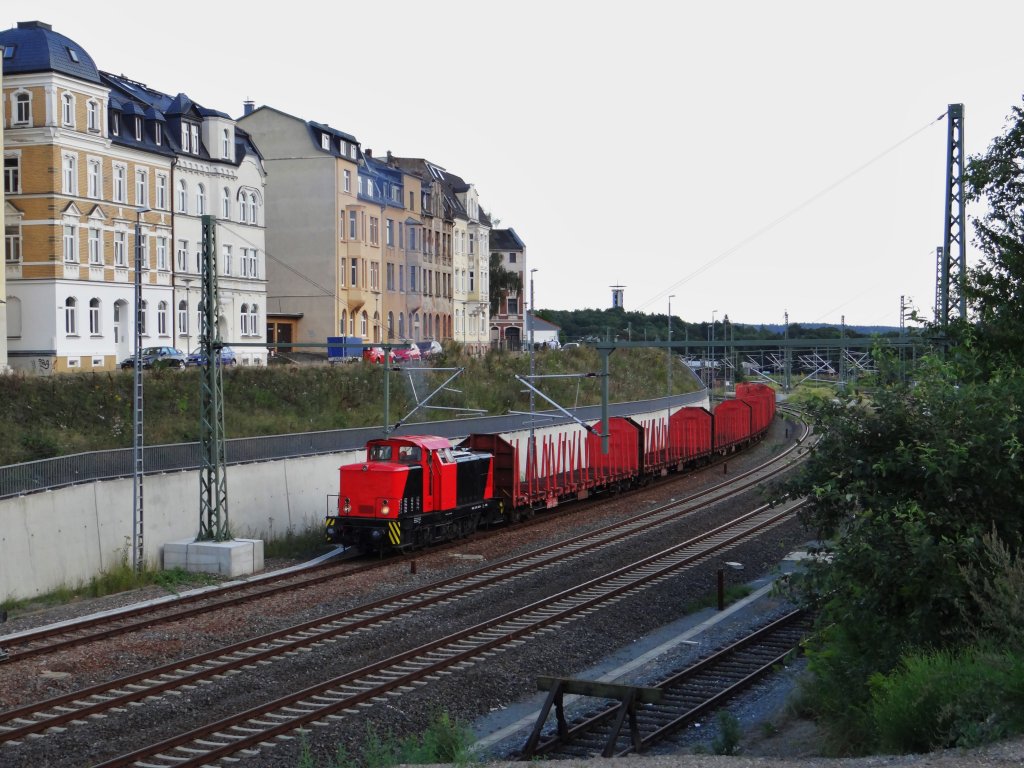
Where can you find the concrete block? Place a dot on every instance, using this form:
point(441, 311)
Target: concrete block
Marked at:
point(239, 557)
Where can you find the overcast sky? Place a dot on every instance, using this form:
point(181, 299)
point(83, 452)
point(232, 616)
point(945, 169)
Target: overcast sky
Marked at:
point(749, 157)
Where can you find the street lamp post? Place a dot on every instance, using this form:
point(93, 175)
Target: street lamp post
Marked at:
point(137, 433)
point(669, 358)
point(187, 282)
point(530, 319)
point(711, 350)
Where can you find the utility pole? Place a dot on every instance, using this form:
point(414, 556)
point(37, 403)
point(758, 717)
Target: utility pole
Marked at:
point(668, 360)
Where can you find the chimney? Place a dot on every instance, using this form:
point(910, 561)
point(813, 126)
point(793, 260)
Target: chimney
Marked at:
point(248, 106)
point(368, 152)
point(34, 25)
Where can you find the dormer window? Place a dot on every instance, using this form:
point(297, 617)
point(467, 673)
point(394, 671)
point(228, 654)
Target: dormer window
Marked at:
point(325, 141)
point(115, 124)
point(138, 129)
point(225, 144)
point(158, 133)
point(184, 137)
point(194, 131)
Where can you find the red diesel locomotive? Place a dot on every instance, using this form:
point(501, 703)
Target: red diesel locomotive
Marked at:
point(412, 491)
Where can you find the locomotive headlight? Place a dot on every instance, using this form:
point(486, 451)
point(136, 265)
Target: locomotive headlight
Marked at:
point(347, 509)
point(385, 508)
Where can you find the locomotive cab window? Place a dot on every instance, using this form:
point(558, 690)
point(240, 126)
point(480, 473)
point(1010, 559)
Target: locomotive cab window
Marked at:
point(380, 453)
point(409, 454)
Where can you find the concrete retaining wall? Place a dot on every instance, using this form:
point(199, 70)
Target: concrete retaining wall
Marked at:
point(67, 536)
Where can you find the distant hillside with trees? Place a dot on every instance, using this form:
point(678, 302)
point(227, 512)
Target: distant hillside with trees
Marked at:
point(599, 324)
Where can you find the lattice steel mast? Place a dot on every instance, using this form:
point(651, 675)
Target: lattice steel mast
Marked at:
point(951, 278)
point(213, 486)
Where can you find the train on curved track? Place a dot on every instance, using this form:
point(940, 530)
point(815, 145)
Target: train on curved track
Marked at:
point(413, 491)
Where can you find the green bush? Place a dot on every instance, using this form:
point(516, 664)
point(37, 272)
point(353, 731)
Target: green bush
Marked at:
point(947, 699)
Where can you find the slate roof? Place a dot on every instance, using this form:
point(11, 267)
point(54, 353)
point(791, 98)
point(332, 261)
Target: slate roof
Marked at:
point(37, 48)
point(506, 240)
point(132, 98)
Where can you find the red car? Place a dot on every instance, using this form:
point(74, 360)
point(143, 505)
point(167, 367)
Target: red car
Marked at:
point(407, 353)
point(376, 354)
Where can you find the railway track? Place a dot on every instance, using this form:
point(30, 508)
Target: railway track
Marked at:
point(39, 717)
point(349, 694)
point(685, 697)
point(49, 718)
point(55, 638)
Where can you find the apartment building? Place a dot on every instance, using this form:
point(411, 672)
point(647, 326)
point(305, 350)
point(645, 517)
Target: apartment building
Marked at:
point(77, 203)
point(455, 254)
point(216, 170)
point(323, 237)
point(509, 252)
point(94, 168)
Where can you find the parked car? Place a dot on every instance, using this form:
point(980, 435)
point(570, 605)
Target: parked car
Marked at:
point(571, 345)
point(429, 348)
point(227, 357)
point(407, 353)
point(376, 354)
point(158, 357)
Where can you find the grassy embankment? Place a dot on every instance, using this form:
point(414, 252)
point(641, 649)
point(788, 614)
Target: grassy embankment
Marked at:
point(60, 415)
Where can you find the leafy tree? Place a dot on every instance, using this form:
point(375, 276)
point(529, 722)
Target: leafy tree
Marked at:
point(904, 489)
point(995, 292)
point(502, 282)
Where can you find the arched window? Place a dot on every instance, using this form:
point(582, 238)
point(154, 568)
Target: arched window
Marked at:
point(182, 196)
point(161, 318)
point(71, 316)
point(225, 204)
point(254, 318)
point(200, 200)
point(364, 323)
point(376, 326)
point(94, 317)
point(401, 325)
point(253, 218)
point(243, 319)
point(22, 108)
point(343, 325)
point(67, 109)
point(183, 318)
point(391, 325)
point(143, 311)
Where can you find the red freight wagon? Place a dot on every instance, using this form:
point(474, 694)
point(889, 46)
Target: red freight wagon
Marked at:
point(690, 434)
point(762, 399)
point(732, 424)
point(621, 465)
